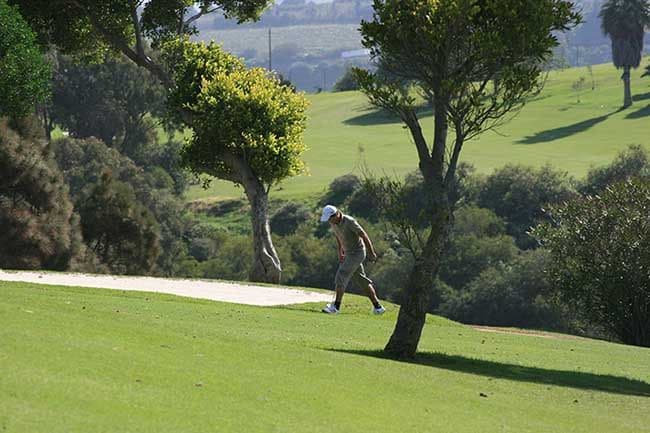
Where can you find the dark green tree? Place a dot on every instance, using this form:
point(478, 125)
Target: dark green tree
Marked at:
point(600, 258)
point(630, 163)
point(110, 100)
point(452, 51)
point(83, 161)
point(519, 194)
point(39, 228)
point(24, 74)
point(624, 21)
point(121, 231)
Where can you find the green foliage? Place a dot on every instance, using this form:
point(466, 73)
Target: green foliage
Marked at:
point(108, 100)
point(476, 244)
point(236, 111)
point(454, 49)
point(287, 219)
point(630, 163)
point(518, 194)
point(39, 228)
point(24, 74)
point(340, 189)
point(600, 258)
point(160, 18)
point(509, 294)
point(84, 161)
point(89, 28)
point(347, 82)
point(120, 230)
point(624, 21)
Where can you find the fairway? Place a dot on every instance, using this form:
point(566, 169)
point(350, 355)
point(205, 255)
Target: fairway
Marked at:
point(344, 134)
point(93, 360)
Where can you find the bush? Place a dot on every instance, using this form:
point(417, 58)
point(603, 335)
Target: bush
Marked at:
point(600, 258)
point(340, 189)
point(286, 220)
point(633, 162)
point(121, 231)
point(346, 83)
point(518, 194)
point(514, 294)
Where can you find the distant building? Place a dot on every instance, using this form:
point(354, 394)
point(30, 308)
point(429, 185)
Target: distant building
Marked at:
point(355, 53)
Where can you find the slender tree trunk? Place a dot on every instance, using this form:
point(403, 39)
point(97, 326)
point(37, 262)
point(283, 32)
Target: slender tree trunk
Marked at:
point(627, 101)
point(412, 314)
point(266, 264)
point(404, 341)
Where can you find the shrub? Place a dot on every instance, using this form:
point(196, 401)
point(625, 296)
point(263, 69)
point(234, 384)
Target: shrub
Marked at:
point(340, 189)
point(600, 258)
point(518, 194)
point(288, 217)
point(633, 162)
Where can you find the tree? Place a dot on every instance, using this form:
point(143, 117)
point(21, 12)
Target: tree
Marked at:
point(346, 82)
point(108, 100)
point(121, 231)
point(451, 51)
point(600, 258)
point(90, 28)
point(39, 228)
point(518, 194)
point(624, 21)
point(629, 163)
point(247, 130)
point(24, 74)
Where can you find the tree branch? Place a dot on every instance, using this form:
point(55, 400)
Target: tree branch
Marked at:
point(119, 44)
point(204, 11)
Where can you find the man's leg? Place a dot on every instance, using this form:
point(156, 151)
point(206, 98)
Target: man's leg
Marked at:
point(366, 285)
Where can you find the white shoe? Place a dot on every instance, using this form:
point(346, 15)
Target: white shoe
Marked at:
point(378, 311)
point(330, 309)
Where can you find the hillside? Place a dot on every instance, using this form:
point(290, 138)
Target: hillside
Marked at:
point(80, 360)
point(344, 133)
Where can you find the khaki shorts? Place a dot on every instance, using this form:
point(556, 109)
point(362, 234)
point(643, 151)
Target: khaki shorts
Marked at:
point(352, 269)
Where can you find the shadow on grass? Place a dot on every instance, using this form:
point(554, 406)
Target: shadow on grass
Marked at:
point(382, 117)
point(638, 114)
point(571, 379)
point(641, 97)
point(564, 131)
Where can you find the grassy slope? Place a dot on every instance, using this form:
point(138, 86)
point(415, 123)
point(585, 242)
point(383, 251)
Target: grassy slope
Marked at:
point(552, 129)
point(80, 360)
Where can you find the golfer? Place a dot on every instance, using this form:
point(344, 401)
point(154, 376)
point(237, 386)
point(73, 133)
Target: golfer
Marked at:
point(352, 241)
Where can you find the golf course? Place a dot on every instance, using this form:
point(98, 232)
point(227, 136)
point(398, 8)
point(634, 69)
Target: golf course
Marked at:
point(80, 360)
point(346, 135)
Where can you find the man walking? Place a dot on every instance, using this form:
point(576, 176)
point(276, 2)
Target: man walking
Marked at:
point(352, 241)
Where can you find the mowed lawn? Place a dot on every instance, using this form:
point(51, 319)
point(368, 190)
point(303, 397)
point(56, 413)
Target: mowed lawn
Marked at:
point(345, 135)
point(89, 360)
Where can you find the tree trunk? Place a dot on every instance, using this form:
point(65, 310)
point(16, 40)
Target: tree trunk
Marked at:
point(266, 264)
point(627, 100)
point(412, 314)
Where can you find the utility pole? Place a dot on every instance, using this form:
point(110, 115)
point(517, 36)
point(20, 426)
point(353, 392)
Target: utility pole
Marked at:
point(270, 58)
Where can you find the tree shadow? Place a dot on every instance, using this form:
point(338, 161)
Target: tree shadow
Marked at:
point(638, 114)
point(380, 116)
point(565, 131)
point(641, 97)
point(570, 379)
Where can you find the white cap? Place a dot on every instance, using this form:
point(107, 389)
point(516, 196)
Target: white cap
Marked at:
point(328, 211)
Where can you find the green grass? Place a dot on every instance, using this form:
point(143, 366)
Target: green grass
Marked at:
point(344, 134)
point(82, 360)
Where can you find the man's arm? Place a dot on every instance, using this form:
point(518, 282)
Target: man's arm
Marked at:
point(340, 250)
point(369, 246)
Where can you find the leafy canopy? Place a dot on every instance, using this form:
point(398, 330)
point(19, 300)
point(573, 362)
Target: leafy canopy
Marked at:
point(24, 74)
point(235, 112)
point(600, 257)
